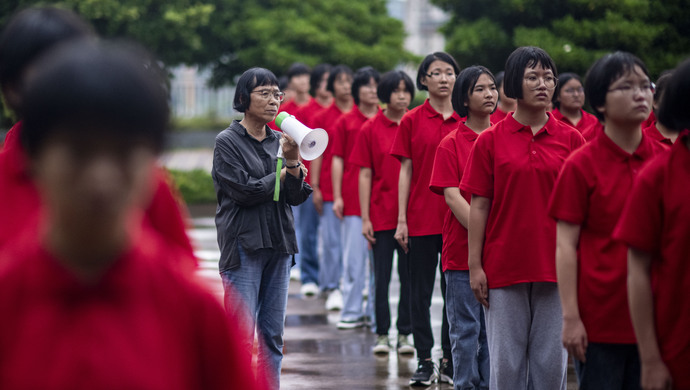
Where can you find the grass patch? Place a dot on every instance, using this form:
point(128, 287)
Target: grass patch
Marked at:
point(201, 123)
point(195, 186)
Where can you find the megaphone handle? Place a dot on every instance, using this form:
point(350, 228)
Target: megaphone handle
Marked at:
point(279, 167)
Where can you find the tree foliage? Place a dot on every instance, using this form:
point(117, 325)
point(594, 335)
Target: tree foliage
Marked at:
point(574, 32)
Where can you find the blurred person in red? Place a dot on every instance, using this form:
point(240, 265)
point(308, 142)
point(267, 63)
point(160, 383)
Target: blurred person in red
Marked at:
point(85, 303)
point(568, 100)
point(656, 130)
point(505, 104)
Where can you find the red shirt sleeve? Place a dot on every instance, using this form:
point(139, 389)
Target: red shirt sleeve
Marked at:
point(401, 143)
point(570, 197)
point(338, 141)
point(361, 152)
point(479, 174)
point(445, 171)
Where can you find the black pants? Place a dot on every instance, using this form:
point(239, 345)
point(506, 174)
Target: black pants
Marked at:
point(383, 268)
point(424, 257)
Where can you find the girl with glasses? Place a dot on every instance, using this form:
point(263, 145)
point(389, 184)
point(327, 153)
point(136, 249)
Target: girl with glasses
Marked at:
point(568, 100)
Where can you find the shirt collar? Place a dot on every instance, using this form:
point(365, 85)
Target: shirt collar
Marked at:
point(514, 126)
point(466, 132)
point(644, 150)
point(431, 112)
point(384, 119)
point(241, 130)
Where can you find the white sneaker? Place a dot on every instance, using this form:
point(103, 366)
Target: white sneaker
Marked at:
point(309, 290)
point(295, 273)
point(382, 345)
point(404, 346)
point(334, 301)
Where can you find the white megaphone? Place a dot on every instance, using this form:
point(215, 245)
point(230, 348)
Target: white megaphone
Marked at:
point(312, 142)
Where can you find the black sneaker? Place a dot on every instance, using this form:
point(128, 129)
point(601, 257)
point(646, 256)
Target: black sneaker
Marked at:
point(425, 374)
point(445, 369)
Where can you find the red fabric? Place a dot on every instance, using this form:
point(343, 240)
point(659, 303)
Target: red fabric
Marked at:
point(588, 120)
point(449, 166)
point(517, 170)
point(372, 151)
point(650, 120)
point(306, 115)
point(497, 116)
point(141, 326)
point(590, 191)
point(656, 219)
point(20, 202)
point(344, 138)
point(420, 132)
point(593, 131)
point(290, 107)
point(652, 132)
point(326, 120)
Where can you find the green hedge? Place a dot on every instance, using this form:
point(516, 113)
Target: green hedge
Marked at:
point(195, 186)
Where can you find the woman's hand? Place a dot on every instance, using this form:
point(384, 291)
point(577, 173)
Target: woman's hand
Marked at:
point(317, 198)
point(338, 207)
point(575, 338)
point(401, 235)
point(654, 375)
point(479, 286)
point(368, 231)
point(290, 147)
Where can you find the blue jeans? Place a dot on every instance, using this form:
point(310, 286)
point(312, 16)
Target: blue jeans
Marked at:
point(355, 265)
point(331, 265)
point(609, 366)
point(307, 229)
point(467, 333)
point(256, 296)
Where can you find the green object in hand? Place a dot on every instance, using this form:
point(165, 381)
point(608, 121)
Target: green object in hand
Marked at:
point(279, 167)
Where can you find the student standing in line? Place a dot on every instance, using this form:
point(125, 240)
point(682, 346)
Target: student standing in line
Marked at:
point(656, 130)
point(505, 104)
point(655, 226)
point(586, 203)
point(512, 241)
point(568, 100)
point(420, 211)
point(378, 185)
point(474, 97)
point(331, 264)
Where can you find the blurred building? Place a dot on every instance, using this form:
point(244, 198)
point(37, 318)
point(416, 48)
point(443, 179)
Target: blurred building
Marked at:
point(422, 21)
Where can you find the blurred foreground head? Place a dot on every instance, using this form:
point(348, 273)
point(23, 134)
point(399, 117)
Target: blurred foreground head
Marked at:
point(674, 110)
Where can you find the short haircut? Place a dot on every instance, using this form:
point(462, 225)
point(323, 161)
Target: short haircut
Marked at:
point(316, 75)
point(520, 59)
point(426, 63)
point(361, 78)
point(563, 78)
point(250, 79)
point(465, 83)
point(604, 72)
point(283, 83)
point(95, 89)
point(297, 69)
point(674, 108)
point(335, 72)
point(661, 84)
point(389, 83)
point(499, 78)
point(31, 33)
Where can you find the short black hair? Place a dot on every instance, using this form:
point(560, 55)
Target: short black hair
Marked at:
point(389, 83)
point(465, 83)
point(563, 78)
point(361, 78)
point(674, 108)
point(335, 72)
point(250, 79)
point(92, 89)
point(499, 79)
point(297, 69)
point(661, 83)
point(604, 72)
point(316, 75)
point(424, 66)
point(520, 59)
point(283, 83)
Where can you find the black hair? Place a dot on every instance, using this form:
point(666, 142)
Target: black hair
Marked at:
point(283, 83)
point(424, 66)
point(361, 78)
point(389, 83)
point(604, 72)
point(316, 75)
point(464, 84)
point(563, 78)
point(297, 69)
point(674, 108)
point(93, 89)
point(335, 72)
point(499, 79)
point(520, 59)
point(250, 79)
point(661, 84)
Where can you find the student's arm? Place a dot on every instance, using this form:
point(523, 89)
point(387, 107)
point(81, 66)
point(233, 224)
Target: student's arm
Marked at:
point(364, 199)
point(654, 374)
point(404, 180)
point(574, 333)
point(458, 205)
point(479, 214)
point(337, 178)
point(316, 197)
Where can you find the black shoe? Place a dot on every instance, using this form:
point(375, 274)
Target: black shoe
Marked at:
point(445, 369)
point(425, 374)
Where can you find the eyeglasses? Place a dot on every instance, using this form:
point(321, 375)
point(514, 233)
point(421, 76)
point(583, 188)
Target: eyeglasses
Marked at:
point(439, 75)
point(279, 96)
point(573, 91)
point(534, 82)
point(629, 89)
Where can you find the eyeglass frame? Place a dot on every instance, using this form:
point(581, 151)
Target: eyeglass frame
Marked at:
point(266, 95)
point(540, 81)
point(572, 91)
point(438, 75)
point(628, 89)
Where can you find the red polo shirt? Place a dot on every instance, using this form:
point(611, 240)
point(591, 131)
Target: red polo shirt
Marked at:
point(656, 219)
point(420, 132)
point(372, 151)
point(141, 326)
point(652, 132)
point(326, 120)
point(593, 131)
point(517, 170)
point(588, 120)
point(306, 115)
point(497, 115)
point(590, 191)
point(449, 166)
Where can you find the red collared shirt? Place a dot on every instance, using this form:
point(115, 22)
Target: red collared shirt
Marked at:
point(326, 120)
point(449, 166)
point(498, 115)
point(652, 132)
point(586, 121)
point(656, 219)
point(420, 132)
point(517, 170)
point(306, 115)
point(590, 191)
